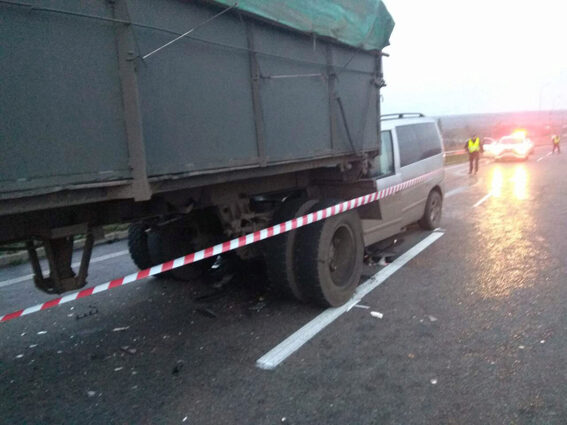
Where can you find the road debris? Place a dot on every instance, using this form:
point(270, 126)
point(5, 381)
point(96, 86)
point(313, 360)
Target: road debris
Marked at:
point(212, 296)
point(355, 304)
point(42, 332)
point(92, 311)
point(207, 312)
point(542, 341)
point(19, 356)
point(376, 314)
point(259, 306)
point(117, 369)
point(223, 281)
point(411, 356)
point(128, 350)
point(432, 318)
point(121, 329)
point(184, 419)
point(521, 347)
point(33, 346)
point(177, 368)
point(91, 393)
point(433, 381)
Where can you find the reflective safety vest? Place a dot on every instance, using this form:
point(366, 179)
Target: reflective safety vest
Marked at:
point(474, 145)
point(555, 139)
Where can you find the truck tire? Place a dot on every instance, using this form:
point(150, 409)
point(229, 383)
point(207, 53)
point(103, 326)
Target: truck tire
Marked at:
point(138, 245)
point(279, 250)
point(175, 240)
point(328, 257)
point(433, 210)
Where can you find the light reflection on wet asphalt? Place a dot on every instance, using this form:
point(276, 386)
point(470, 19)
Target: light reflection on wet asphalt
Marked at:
point(507, 252)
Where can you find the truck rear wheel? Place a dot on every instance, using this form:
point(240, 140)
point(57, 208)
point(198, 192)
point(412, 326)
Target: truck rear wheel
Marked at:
point(328, 257)
point(279, 250)
point(197, 231)
point(138, 245)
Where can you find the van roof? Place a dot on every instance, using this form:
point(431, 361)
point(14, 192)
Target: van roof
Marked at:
point(390, 123)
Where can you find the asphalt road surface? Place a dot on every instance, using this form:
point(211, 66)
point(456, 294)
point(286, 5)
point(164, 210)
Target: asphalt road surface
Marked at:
point(471, 330)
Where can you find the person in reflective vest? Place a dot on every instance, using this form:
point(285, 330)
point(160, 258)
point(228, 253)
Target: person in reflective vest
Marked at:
point(474, 148)
point(555, 141)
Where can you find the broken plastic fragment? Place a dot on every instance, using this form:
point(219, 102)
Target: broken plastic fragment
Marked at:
point(376, 314)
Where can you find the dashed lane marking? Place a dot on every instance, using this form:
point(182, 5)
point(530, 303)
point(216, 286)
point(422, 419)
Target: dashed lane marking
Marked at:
point(483, 199)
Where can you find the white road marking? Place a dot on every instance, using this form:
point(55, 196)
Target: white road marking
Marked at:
point(295, 341)
point(543, 157)
point(484, 198)
point(75, 264)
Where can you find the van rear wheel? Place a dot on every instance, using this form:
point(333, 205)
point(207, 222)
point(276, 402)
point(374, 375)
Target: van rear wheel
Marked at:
point(433, 211)
point(328, 257)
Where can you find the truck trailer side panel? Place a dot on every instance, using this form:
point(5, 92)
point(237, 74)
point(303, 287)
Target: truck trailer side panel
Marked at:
point(237, 92)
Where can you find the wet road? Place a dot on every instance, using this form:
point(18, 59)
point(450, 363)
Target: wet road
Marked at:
point(473, 330)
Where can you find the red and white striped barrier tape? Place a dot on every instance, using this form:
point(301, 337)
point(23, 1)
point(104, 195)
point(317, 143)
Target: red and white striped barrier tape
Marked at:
point(221, 248)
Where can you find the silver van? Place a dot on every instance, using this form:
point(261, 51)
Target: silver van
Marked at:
point(325, 259)
point(411, 148)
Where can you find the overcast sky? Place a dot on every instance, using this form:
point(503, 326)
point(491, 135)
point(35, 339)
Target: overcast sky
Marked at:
point(474, 56)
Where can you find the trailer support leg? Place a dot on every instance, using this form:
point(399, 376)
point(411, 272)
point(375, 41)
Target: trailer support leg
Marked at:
point(59, 253)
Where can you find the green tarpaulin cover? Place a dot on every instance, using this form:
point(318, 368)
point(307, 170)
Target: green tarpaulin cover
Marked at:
point(366, 24)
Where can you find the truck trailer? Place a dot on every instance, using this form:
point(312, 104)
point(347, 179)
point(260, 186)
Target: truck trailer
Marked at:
point(196, 122)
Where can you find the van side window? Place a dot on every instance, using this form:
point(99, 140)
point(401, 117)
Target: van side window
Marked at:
point(384, 164)
point(429, 140)
point(408, 143)
point(418, 141)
